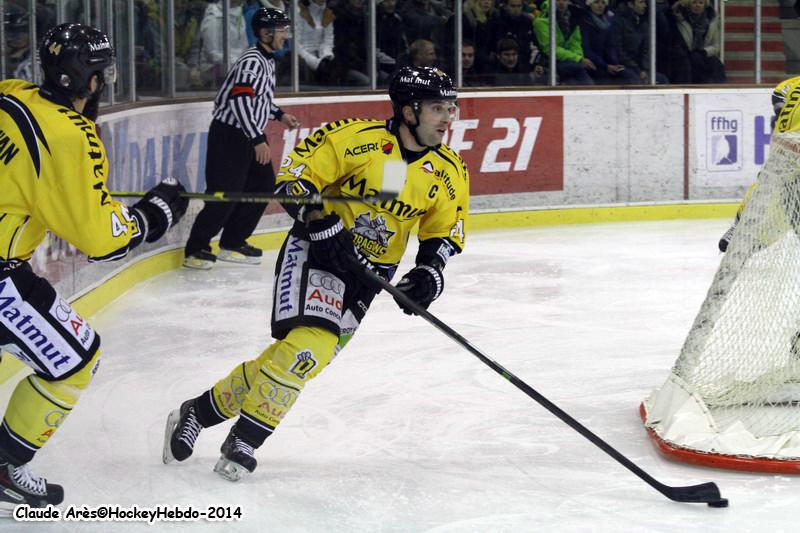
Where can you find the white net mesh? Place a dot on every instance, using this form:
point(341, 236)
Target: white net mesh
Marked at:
point(735, 388)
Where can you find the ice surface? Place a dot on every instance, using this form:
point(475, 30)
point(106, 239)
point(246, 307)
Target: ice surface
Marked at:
point(406, 431)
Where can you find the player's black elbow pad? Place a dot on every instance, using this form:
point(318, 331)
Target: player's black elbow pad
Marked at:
point(435, 252)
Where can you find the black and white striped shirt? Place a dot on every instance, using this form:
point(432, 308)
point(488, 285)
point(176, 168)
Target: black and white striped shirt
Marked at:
point(245, 98)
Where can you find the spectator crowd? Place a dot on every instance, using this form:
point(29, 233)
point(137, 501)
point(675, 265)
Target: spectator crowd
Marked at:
point(505, 42)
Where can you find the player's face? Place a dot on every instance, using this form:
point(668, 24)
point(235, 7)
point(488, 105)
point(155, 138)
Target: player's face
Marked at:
point(435, 118)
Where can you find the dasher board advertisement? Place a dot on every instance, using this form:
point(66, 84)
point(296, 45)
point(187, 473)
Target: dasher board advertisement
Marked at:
point(730, 137)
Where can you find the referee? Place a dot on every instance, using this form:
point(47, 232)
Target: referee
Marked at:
point(238, 156)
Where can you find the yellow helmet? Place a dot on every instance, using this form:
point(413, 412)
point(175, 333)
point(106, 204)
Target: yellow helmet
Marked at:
point(781, 91)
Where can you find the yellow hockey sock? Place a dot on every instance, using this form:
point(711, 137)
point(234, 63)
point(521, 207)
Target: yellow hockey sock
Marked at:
point(265, 388)
point(38, 407)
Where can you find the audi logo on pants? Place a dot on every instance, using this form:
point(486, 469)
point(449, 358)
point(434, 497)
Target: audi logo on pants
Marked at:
point(326, 281)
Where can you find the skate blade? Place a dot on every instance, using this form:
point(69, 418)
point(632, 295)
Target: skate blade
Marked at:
point(9, 500)
point(172, 422)
point(233, 257)
point(229, 470)
point(197, 264)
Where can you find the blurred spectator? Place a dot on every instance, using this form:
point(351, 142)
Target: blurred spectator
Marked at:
point(315, 41)
point(73, 9)
point(149, 47)
point(507, 70)
point(391, 37)
point(513, 22)
point(188, 15)
point(694, 54)
point(45, 14)
point(18, 57)
point(571, 65)
point(479, 23)
point(630, 35)
point(423, 18)
point(531, 7)
point(210, 69)
point(663, 35)
point(599, 48)
point(471, 77)
point(350, 43)
point(422, 53)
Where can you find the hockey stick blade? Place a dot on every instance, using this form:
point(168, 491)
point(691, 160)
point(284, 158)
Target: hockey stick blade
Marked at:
point(707, 493)
point(393, 179)
point(392, 183)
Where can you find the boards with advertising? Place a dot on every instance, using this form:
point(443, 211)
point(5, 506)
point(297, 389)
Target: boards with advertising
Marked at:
point(509, 144)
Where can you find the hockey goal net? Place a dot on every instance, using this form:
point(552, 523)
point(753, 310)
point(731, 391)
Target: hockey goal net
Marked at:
point(732, 400)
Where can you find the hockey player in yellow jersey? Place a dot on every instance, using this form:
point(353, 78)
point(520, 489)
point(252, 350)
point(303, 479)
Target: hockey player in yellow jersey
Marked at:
point(786, 106)
point(53, 177)
point(321, 294)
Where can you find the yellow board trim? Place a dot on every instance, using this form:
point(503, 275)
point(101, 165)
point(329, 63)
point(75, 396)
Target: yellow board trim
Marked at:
point(595, 215)
point(143, 269)
point(90, 303)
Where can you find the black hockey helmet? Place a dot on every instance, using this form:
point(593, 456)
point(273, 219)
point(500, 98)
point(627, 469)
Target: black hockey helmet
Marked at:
point(71, 54)
point(411, 85)
point(270, 19)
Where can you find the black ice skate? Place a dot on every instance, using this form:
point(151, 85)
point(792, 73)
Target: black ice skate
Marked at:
point(237, 457)
point(182, 430)
point(19, 485)
point(202, 260)
point(244, 255)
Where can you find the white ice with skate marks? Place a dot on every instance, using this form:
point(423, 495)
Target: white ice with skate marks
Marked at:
point(406, 431)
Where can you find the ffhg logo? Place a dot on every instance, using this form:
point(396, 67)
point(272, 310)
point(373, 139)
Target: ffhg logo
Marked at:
point(724, 140)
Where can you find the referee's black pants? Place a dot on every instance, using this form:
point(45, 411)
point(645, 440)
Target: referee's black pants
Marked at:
point(231, 166)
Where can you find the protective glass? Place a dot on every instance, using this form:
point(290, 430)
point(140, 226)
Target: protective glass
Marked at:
point(110, 74)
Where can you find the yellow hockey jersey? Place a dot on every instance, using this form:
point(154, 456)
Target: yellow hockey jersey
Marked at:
point(346, 158)
point(53, 170)
point(788, 118)
point(785, 98)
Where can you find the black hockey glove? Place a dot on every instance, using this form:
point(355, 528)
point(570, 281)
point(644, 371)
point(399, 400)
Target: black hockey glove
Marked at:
point(162, 207)
point(422, 284)
point(331, 244)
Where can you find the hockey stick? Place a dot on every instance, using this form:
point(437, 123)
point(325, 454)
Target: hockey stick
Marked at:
point(704, 493)
point(247, 198)
point(394, 178)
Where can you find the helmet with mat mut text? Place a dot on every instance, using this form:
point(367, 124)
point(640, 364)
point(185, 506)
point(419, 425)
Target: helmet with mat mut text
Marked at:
point(71, 54)
point(416, 84)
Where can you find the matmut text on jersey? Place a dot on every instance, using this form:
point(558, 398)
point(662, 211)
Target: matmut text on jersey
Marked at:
point(53, 177)
point(346, 158)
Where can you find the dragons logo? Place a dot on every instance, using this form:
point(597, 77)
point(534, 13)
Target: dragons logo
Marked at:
point(371, 235)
